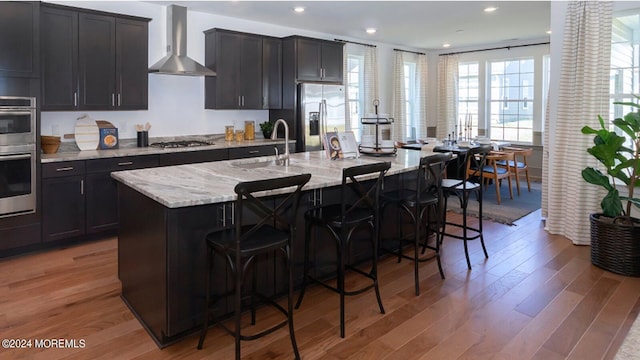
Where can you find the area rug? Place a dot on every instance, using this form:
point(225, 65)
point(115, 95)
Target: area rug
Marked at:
point(509, 210)
point(630, 348)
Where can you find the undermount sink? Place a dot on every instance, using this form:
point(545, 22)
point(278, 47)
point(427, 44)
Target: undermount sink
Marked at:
point(258, 164)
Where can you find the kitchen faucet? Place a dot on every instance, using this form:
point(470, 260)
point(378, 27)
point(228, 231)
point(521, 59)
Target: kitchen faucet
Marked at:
point(284, 158)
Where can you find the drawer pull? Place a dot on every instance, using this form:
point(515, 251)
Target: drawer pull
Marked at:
point(125, 163)
point(254, 151)
point(68, 168)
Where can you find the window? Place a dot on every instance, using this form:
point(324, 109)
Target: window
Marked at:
point(411, 100)
point(355, 84)
point(505, 92)
point(468, 96)
point(511, 117)
point(625, 63)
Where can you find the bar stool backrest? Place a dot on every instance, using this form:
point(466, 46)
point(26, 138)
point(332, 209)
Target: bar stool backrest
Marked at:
point(357, 192)
point(476, 158)
point(430, 174)
point(278, 214)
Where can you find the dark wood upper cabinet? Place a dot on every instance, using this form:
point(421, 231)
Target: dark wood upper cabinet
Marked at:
point(272, 72)
point(237, 59)
point(59, 59)
point(96, 61)
point(19, 39)
point(316, 60)
point(132, 55)
point(93, 60)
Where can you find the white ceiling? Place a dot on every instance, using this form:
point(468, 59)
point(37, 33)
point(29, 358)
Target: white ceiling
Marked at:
point(418, 24)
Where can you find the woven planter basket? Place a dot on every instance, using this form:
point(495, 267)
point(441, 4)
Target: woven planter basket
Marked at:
point(615, 247)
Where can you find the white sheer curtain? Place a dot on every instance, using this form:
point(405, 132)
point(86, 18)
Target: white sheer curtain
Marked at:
point(448, 99)
point(583, 94)
point(369, 89)
point(399, 98)
point(421, 87)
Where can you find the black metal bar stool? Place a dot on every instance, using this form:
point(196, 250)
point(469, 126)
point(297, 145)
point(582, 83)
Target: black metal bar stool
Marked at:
point(470, 183)
point(359, 206)
point(263, 225)
point(423, 203)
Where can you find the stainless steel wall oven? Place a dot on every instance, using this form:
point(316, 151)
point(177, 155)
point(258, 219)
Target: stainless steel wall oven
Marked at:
point(17, 155)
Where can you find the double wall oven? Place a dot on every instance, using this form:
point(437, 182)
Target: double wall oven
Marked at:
point(17, 155)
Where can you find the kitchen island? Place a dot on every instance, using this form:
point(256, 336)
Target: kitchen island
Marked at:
point(165, 213)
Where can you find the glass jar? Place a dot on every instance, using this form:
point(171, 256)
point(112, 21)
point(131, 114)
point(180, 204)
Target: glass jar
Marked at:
point(249, 130)
point(228, 133)
point(239, 135)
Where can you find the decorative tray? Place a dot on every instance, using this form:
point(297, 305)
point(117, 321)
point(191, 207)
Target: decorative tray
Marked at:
point(378, 151)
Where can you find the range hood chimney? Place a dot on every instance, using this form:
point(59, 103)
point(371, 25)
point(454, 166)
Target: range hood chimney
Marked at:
point(176, 61)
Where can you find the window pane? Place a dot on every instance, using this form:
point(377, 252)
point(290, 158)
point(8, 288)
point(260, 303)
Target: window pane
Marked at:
point(511, 96)
point(625, 64)
point(354, 86)
point(468, 96)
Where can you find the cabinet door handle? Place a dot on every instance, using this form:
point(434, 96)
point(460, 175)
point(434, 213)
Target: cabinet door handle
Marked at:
point(254, 151)
point(75, 98)
point(242, 100)
point(125, 163)
point(81, 187)
point(68, 168)
point(113, 99)
point(119, 99)
point(239, 101)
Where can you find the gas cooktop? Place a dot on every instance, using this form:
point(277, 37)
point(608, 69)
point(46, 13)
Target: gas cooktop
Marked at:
point(180, 144)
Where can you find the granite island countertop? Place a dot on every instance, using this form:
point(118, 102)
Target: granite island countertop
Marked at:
point(213, 182)
point(128, 148)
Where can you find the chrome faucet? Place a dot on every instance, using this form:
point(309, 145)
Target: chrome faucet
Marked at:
point(284, 158)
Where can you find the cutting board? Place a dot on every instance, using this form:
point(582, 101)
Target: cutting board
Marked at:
point(87, 133)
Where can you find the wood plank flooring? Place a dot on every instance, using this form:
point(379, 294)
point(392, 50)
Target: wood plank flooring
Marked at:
point(536, 297)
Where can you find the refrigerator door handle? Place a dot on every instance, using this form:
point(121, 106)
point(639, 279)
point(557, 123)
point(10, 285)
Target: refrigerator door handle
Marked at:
point(322, 128)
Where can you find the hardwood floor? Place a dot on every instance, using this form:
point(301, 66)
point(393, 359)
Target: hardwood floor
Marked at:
point(536, 297)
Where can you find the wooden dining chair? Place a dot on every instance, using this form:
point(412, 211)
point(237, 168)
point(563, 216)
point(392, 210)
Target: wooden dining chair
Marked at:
point(492, 172)
point(516, 165)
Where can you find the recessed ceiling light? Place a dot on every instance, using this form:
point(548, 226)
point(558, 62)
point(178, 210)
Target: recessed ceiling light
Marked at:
point(549, 32)
point(490, 9)
point(298, 9)
point(371, 31)
point(446, 45)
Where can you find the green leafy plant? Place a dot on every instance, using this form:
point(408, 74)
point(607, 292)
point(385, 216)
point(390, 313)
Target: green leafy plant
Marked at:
point(266, 126)
point(621, 162)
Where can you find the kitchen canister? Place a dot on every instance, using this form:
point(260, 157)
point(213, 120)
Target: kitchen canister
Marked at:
point(249, 130)
point(228, 133)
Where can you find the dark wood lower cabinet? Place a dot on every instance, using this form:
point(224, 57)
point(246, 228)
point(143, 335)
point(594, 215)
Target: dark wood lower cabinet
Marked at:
point(80, 198)
point(63, 207)
point(192, 157)
point(102, 204)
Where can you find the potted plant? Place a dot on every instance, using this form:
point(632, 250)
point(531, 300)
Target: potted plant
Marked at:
point(615, 234)
point(267, 129)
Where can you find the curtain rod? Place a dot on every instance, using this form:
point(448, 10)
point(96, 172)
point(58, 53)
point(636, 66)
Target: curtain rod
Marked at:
point(495, 48)
point(353, 42)
point(409, 51)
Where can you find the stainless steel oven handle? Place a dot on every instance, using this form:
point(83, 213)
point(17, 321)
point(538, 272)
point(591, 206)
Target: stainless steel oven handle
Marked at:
point(15, 157)
point(14, 112)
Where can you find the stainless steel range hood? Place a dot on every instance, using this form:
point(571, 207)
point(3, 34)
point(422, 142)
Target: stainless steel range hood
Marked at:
point(177, 62)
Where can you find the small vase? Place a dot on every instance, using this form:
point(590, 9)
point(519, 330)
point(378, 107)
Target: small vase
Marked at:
point(267, 134)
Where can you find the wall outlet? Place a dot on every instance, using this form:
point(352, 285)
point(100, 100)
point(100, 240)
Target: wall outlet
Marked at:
point(55, 130)
point(122, 128)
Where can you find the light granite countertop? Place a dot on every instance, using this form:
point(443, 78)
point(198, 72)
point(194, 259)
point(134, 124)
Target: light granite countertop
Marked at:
point(69, 151)
point(213, 182)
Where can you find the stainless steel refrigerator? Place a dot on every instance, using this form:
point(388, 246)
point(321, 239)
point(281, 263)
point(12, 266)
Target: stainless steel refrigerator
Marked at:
point(321, 108)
